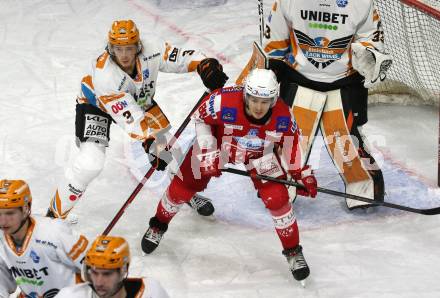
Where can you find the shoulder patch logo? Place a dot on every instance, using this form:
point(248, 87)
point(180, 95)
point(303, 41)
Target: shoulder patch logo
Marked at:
point(342, 3)
point(229, 114)
point(146, 74)
point(282, 123)
point(35, 258)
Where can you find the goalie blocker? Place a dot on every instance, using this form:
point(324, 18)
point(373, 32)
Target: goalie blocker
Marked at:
point(339, 109)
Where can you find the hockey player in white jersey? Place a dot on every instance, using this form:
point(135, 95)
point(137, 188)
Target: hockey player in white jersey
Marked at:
point(106, 269)
point(327, 54)
point(120, 87)
point(37, 254)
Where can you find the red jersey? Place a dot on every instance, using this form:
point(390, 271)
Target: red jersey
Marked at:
point(221, 117)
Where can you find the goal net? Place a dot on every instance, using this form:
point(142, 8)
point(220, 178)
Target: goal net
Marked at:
point(412, 37)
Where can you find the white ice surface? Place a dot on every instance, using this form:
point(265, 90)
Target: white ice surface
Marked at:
point(45, 45)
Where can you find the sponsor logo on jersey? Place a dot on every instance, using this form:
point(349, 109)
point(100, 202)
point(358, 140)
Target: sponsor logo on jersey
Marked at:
point(253, 132)
point(341, 3)
point(274, 135)
point(31, 276)
point(282, 123)
point(146, 74)
point(229, 114)
point(232, 126)
point(323, 16)
point(122, 83)
point(151, 56)
point(96, 127)
point(211, 106)
point(294, 127)
point(47, 243)
point(35, 258)
point(119, 106)
point(251, 140)
point(323, 26)
point(325, 4)
point(232, 89)
point(321, 51)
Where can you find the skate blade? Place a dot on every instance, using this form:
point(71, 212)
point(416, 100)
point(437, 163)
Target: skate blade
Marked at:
point(303, 282)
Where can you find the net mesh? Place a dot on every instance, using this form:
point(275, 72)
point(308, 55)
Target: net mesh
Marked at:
point(412, 38)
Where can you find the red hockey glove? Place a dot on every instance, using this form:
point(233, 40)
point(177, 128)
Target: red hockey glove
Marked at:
point(305, 176)
point(211, 73)
point(158, 154)
point(209, 163)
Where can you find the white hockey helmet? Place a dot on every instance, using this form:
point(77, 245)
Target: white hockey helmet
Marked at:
point(262, 83)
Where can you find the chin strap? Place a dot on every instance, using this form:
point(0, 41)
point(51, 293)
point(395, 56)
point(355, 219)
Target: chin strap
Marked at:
point(21, 224)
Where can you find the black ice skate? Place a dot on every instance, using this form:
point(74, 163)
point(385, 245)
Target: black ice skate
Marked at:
point(153, 235)
point(202, 205)
point(298, 265)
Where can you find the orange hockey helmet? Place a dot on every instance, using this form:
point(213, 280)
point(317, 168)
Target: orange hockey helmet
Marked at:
point(123, 32)
point(14, 194)
point(108, 252)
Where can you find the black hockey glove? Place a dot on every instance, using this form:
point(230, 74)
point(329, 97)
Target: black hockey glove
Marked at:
point(158, 154)
point(211, 72)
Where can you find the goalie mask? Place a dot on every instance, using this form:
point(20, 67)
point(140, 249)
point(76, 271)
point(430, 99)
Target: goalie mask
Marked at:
point(261, 83)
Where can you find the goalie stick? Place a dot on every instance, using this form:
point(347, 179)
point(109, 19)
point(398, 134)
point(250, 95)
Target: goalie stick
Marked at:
point(429, 211)
point(259, 58)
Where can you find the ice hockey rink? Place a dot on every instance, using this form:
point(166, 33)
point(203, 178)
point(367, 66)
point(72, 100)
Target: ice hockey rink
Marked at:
point(45, 48)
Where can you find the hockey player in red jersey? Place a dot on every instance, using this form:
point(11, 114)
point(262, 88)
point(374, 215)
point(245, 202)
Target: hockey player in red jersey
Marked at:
point(243, 125)
point(120, 88)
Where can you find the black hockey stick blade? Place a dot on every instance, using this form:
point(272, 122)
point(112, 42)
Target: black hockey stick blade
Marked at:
point(429, 211)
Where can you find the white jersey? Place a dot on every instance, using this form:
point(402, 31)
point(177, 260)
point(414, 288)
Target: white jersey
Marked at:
point(135, 287)
point(49, 259)
point(315, 36)
point(125, 98)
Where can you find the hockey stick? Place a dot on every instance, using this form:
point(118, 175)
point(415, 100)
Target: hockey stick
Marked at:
point(261, 16)
point(152, 169)
point(429, 211)
point(258, 58)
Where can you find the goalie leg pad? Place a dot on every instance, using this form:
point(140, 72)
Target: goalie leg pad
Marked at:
point(307, 109)
point(343, 150)
point(92, 124)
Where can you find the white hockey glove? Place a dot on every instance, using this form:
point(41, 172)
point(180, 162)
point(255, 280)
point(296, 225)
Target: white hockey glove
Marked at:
point(370, 63)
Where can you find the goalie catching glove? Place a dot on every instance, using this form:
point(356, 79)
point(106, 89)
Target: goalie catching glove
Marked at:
point(211, 73)
point(157, 151)
point(370, 63)
point(305, 177)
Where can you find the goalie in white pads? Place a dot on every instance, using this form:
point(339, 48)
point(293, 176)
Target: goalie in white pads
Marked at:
point(38, 255)
point(327, 54)
point(105, 271)
point(120, 87)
